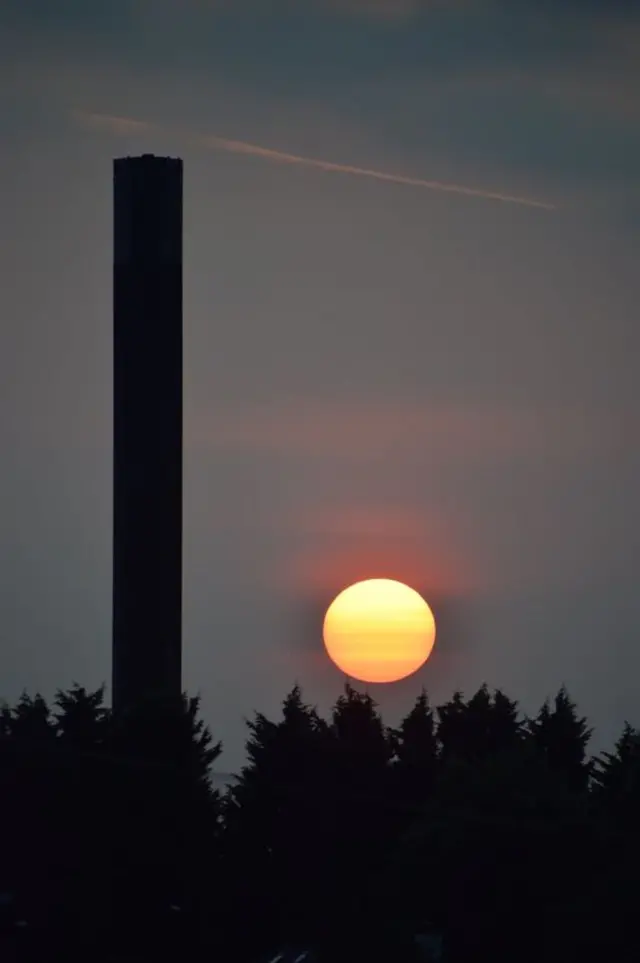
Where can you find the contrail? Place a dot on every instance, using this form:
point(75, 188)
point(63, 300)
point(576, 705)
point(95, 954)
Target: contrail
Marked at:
point(127, 125)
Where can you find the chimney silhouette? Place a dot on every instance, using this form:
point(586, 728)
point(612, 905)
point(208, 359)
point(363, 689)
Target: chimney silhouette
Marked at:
point(147, 463)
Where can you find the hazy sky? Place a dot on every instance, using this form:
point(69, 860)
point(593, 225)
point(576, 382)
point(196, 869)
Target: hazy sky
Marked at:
point(380, 378)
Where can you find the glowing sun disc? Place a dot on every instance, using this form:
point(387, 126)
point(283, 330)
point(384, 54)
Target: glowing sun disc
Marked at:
point(379, 630)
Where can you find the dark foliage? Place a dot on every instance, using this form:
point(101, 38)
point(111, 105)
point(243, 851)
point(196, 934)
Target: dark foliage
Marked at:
point(105, 825)
point(562, 737)
point(275, 824)
point(415, 764)
point(496, 834)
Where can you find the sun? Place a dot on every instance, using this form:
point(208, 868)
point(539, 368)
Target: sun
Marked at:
point(379, 630)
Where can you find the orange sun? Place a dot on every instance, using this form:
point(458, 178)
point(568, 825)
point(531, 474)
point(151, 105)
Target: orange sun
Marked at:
point(379, 630)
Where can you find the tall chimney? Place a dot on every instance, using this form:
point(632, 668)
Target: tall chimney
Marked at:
point(147, 470)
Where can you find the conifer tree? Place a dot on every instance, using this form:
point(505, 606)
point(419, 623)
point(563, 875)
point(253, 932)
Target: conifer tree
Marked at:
point(506, 728)
point(30, 722)
point(275, 823)
point(362, 812)
point(164, 815)
point(616, 774)
point(561, 736)
point(283, 758)
point(416, 754)
point(472, 731)
point(452, 730)
point(80, 811)
point(29, 789)
point(363, 745)
point(616, 785)
point(81, 719)
point(5, 721)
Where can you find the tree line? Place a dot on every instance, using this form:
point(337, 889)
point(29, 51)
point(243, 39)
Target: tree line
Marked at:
point(498, 832)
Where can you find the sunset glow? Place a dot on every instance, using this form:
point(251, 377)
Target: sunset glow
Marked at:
point(379, 630)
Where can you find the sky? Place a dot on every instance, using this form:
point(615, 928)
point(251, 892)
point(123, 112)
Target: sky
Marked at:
point(382, 377)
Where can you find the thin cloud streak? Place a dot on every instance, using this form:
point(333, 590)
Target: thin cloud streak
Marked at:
point(125, 126)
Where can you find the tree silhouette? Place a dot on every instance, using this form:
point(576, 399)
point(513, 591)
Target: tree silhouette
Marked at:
point(29, 792)
point(507, 851)
point(617, 774)
point(119, 815)
point(338, 834)
point(5, 721)
point(360, 779)
point(452, 729)
point(30, 723)
point(561, 736)
point(165, 818)
point(471, 731)
point(79, 897)
point(81, 721)
point(362, 743)
point(415, 756)
point(276, 824)
point(616, 792)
